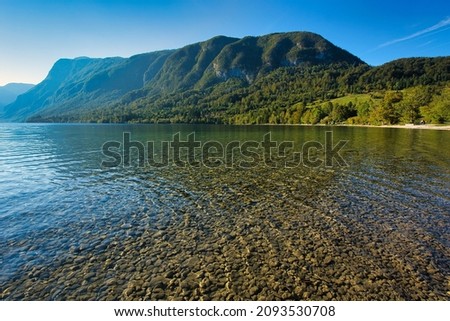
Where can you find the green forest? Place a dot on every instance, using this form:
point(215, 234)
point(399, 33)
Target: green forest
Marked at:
point(404, 91)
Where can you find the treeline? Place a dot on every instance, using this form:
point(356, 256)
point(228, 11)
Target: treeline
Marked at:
point(403, 91)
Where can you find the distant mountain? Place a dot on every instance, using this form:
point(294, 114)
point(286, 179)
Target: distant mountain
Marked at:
point(276, 78)
point(9, 92)
point(83, 82)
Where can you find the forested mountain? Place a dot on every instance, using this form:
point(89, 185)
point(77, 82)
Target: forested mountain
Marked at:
point(296, 77)
point(84, 83)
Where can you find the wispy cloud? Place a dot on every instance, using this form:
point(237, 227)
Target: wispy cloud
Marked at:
point(425, 44)
point(439, 25)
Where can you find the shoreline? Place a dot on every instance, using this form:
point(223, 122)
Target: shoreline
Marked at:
point(406, 126)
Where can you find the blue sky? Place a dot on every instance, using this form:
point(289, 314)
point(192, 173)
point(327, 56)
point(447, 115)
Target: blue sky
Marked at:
point(34, 34)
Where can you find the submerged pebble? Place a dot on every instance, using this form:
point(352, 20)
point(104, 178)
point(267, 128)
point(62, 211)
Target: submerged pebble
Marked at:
point(257, 234)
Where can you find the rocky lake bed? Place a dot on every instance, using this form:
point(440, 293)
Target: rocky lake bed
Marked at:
point(353, 233)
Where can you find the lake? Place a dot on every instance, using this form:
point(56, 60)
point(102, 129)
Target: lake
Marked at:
point(81, 220)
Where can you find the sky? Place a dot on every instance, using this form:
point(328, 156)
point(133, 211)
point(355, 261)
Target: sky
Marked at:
point(34, 34)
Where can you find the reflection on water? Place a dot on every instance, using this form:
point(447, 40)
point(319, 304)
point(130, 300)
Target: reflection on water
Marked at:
point(70, 229)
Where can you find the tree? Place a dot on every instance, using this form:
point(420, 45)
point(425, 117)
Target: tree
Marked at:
point(414, 99)
point(273, 119)
point(438, 110)
point(387, 111)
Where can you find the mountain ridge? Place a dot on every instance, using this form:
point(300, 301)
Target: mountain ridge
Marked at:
point(87, 82)
point(166, 85)
point(9, 92)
